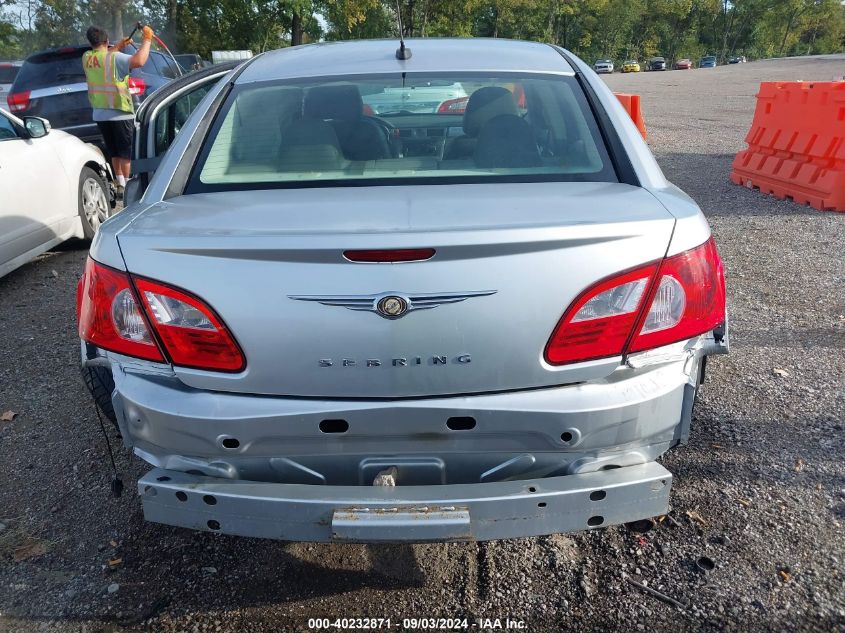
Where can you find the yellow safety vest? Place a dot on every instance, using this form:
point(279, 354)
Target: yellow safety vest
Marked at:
point(105, 89)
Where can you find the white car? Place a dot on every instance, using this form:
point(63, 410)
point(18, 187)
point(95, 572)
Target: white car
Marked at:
point(52, 186)
point(444, 97)
point(603, 66)
point(8, 72)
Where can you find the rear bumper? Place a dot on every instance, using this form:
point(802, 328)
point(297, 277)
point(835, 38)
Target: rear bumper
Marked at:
point(468, 512)
point(515, 464)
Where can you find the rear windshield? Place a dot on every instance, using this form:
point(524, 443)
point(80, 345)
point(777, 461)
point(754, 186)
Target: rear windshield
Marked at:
point(8, 73)
point(392, 129)
point(42, 71)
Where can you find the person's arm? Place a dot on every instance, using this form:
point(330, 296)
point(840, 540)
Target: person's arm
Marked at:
point(143, 53)
point(126, 41)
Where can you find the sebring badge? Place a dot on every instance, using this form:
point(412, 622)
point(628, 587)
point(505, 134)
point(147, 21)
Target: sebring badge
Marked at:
point(392, 305)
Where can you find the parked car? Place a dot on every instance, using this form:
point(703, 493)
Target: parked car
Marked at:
point(306, 333)
point(438, 96)
point(683, 64)
point(191, 61)
point(51, 84)
point(737, 59)
point(54, 187)
point(8, 72)
point(656, 63)
point(707, 62)
point(631, 66)
point(603, 66)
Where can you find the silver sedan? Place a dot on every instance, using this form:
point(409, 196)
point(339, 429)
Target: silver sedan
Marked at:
point(316, 322)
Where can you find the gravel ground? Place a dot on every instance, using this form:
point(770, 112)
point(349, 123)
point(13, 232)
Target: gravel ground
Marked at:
point(759, 490)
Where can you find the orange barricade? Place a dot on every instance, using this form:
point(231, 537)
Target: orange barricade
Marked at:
point(796, 144)
point(632, 105)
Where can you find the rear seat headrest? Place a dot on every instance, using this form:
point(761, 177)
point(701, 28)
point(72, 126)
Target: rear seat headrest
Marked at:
point(485, 104)
point(342, 102)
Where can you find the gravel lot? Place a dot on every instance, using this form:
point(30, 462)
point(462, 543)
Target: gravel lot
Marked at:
point(760, 489)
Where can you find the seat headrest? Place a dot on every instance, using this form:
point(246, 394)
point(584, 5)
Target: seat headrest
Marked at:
point(485, 104)
point(334, 102)
point(506, 141)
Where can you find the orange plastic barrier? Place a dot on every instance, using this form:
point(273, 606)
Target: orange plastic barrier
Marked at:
point(632, 105)
point(796, 144)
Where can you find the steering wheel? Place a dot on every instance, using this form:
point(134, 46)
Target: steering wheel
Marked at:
point(388, 129)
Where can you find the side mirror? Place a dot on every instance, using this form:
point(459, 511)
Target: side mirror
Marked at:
point(36, 127)
point(133, 191)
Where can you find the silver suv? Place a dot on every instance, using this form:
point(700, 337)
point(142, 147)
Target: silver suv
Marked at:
point(318, 323)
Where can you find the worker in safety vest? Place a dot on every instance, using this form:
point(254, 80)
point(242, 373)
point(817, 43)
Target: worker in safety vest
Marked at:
point(107, 73)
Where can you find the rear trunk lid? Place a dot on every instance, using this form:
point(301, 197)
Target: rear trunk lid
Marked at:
point(520, 252)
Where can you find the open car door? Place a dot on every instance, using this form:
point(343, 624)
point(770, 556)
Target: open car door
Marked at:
point(160, 118)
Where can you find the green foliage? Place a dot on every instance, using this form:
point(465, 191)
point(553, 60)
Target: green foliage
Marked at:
point(616, 29)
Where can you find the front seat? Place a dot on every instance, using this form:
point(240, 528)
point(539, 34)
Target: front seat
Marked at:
point(341, 105)
point(484, 105)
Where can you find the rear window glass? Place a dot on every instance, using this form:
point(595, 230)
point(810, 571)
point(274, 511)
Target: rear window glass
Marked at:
point(8, 73)
point(388, 129)
point(51, 70)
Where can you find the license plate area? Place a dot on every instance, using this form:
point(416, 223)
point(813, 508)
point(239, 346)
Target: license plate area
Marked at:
point(414, 524)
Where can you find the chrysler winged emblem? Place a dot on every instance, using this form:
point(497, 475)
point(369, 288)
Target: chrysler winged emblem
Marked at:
point(393, 305)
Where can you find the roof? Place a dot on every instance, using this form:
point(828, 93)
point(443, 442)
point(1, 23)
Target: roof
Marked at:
point(428, 55)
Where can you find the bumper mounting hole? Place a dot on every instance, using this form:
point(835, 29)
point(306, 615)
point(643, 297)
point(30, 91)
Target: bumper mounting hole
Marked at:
point(597, 495)
point(461, 423)
point(595, 521)
point(181, 496)
point(210, 500)
point(213, 525)
point(231, 442)
point(334, 426)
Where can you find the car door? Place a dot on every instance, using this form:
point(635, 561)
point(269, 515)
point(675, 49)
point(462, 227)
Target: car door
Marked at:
point(160, 118)
point(32, 181)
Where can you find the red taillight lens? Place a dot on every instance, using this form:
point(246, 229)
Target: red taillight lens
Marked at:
point(390, 256)
point(115, 315)
point(18, 101)
point(689, 299)
point(680, 298)
point(136, 86)
point(599, 322)
point(193, 335)
point(453, 106)
point(109, 314)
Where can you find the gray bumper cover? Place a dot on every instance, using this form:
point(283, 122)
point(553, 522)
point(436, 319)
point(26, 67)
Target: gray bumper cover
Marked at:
point(457, 512)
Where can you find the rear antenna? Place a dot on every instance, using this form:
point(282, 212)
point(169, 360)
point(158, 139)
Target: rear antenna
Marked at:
point(401, 52)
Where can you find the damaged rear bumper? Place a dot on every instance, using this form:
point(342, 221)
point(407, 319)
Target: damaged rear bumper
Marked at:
point(457, 512)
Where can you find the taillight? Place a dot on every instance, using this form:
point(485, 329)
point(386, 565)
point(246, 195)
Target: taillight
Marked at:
point(659, 303)
point(109, 314)
point(193, 335)
point(689, 299)
point(116, 315)
point(18, 101)
point(599, 322)
point(453, 106)
point(136, 86)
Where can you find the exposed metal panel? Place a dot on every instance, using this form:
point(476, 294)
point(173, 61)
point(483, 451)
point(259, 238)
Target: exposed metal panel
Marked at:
point(508, 509)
